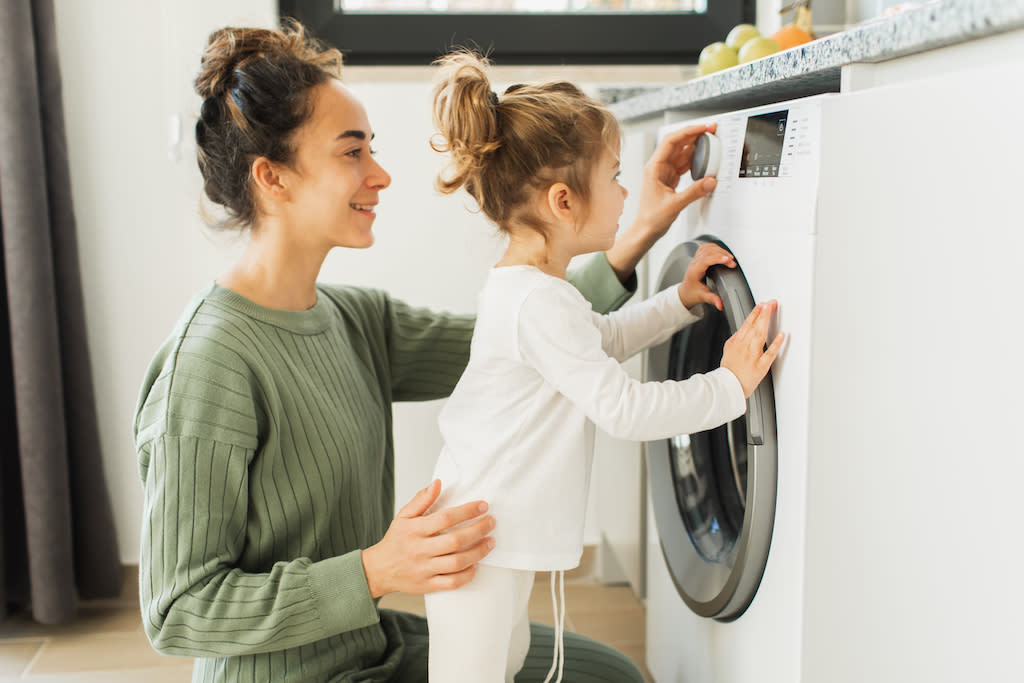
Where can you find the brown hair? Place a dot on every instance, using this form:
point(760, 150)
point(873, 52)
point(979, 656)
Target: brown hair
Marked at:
point(505, 149)
point(257, 89)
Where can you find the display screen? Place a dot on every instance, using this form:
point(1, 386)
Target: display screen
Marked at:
point(762, 145)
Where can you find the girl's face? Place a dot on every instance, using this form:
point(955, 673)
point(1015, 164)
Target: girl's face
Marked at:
point(607, 198)
point(334, 181)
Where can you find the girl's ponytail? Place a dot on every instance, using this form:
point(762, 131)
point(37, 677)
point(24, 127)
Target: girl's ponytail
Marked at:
point(466, 116)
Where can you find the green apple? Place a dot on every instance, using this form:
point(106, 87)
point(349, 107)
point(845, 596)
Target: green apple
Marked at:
point(715, 57)
point(740, 34)
point(757, 48)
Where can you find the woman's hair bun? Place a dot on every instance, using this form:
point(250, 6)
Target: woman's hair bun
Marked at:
point(257, 87)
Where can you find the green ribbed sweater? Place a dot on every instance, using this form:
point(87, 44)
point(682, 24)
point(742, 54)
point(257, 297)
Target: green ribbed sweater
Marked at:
point(266, 453)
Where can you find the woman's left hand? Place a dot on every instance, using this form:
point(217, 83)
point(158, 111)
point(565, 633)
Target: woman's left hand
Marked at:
point(659, 203)
point(693, 289)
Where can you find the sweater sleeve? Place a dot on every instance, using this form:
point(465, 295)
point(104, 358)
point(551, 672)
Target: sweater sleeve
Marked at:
point(639, 326)
point(598, 283)
point(427, 351)
point(195, 600)
point(558, 338)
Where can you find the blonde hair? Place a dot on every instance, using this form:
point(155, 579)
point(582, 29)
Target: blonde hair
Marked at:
point(257, 89)
point(505, 149)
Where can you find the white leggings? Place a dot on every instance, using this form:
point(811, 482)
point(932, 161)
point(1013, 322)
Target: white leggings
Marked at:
point(481, 631)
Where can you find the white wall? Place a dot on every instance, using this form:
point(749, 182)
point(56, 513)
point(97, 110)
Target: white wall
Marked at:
point(127, 70)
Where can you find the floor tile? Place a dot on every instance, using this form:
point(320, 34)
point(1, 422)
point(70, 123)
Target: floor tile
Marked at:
point(15, 655)
point(180, 674)
point(619, 629)
point(104, 652)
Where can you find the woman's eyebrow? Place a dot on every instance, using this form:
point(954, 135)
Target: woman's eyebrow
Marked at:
point(358, 134)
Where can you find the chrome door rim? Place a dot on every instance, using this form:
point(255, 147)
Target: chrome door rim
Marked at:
point(752, 548)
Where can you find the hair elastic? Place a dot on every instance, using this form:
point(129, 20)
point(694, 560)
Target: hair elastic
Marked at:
point(494, 100)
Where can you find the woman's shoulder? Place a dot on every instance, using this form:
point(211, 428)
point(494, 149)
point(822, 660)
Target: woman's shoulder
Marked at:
point(203, 366)
point(356, 300)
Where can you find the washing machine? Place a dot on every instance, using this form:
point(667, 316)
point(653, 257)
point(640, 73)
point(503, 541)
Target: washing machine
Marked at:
point(724, 597)
point(858, 524)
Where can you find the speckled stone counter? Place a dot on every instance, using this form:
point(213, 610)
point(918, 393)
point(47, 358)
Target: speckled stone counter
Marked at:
point(815, 67)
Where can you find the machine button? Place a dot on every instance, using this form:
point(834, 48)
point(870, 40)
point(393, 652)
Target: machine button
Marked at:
point(707, 155)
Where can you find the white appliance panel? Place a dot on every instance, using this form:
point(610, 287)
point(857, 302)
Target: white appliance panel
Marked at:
point(769, 223)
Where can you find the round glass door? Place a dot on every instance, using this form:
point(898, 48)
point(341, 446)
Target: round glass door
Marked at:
point(714, 491)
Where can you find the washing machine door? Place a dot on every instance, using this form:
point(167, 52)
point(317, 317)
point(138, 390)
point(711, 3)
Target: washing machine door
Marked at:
point(713, 492)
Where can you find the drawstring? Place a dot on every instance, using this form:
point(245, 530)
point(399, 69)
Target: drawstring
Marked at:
point(559, 609)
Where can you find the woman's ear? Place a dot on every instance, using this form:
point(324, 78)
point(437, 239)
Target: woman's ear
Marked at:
point(562, 203)
point(267, 179)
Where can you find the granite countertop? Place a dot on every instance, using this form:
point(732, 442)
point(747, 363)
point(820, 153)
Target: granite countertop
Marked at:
point(815, 67)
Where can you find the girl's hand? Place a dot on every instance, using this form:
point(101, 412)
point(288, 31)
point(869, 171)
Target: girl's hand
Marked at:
point(744, 354)
point(693, 289)
point(419, 554)
point(659, 203)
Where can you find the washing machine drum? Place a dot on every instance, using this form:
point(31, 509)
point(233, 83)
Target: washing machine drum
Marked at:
point(713, 492)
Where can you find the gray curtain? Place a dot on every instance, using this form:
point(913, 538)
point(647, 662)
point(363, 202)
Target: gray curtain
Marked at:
point(58, 544)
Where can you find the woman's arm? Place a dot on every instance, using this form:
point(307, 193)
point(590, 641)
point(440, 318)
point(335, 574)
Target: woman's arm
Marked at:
point(660, 204)
point(197, 436)
point(196, 601)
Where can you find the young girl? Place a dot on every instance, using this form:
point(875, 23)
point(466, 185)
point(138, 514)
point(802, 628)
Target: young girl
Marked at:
point(541, 161)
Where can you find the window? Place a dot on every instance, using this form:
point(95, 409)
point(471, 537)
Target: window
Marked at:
point(522, 31)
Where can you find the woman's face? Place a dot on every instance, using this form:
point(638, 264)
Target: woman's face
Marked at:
point(334, 182)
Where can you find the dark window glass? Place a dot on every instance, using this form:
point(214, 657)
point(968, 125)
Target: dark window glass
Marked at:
point(522, 31)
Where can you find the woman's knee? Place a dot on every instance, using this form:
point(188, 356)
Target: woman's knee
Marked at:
point(586, 660)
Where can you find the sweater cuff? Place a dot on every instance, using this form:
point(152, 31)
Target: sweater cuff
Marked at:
point(340, 591)
point(598, 282)
point(735, 401)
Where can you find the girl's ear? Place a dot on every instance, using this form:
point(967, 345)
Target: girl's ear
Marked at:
point(562, 203)
point(267, 179)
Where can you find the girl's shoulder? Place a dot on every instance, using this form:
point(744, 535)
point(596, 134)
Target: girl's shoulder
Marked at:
point(525, 284)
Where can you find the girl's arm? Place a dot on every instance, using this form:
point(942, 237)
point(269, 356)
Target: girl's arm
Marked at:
point(557, 338)
point(642, 325)
point(635, 328)
point(427, 351)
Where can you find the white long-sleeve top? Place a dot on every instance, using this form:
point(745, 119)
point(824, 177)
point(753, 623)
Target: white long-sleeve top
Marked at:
point(543, 369)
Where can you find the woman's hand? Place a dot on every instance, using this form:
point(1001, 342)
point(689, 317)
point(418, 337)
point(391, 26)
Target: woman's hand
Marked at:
point(693, 289)
point(659, 203)
point(418, 555)
point(744, 354)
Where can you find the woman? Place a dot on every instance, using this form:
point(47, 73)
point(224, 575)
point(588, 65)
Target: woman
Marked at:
point(264, 423)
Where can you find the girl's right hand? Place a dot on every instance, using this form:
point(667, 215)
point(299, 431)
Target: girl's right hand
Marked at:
point(416, 554)
point(744, 354)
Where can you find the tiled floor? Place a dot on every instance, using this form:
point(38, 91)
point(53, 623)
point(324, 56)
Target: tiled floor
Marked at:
point(106, 643)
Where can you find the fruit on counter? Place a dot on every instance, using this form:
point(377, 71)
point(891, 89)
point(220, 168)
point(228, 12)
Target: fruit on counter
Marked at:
point(740, 34)
point(715, 57)
point(756, 48)
point(790, 36)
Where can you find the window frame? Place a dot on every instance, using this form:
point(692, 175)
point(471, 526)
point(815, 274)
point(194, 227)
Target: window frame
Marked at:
point(523, 38)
